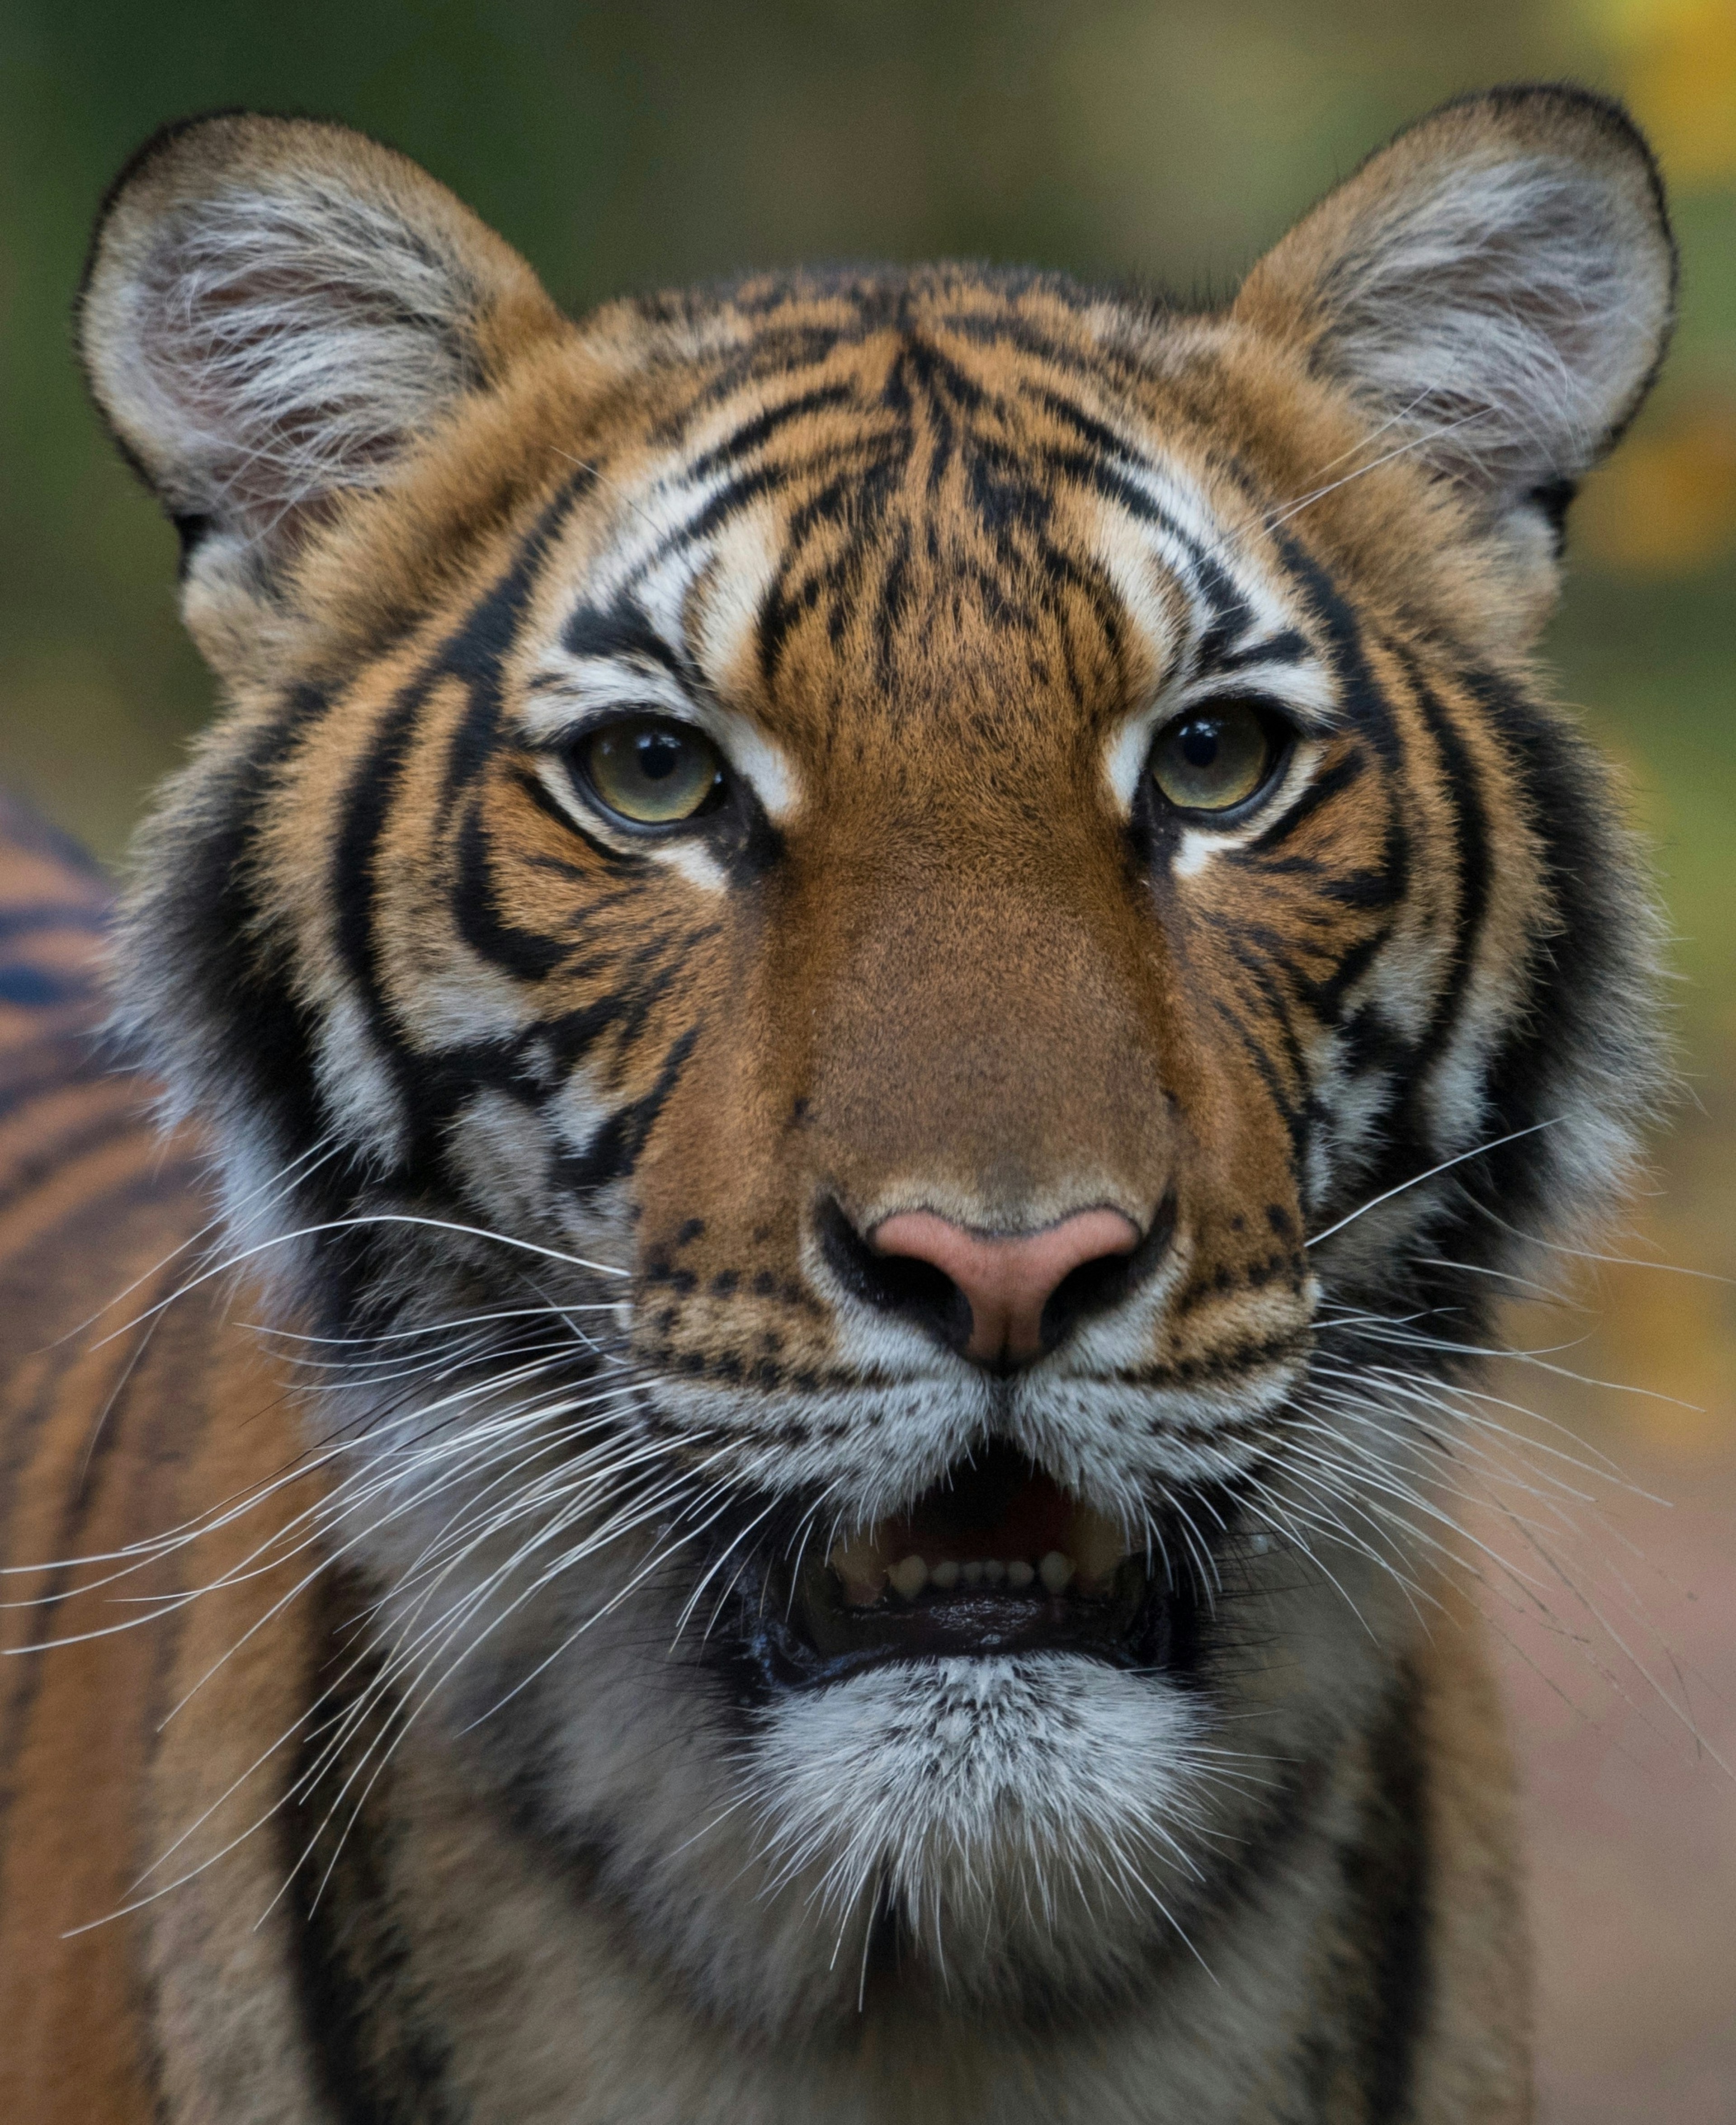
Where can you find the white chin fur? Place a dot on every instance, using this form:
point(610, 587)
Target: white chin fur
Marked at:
point(1024, 1817)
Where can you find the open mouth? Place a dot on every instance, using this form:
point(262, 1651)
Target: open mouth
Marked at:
point(996, 1559)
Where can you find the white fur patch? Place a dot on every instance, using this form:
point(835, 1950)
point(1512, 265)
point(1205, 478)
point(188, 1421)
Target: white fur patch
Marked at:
point(356, 1081)
point(971, 1790)
point(1509, 310)
point(284, 340)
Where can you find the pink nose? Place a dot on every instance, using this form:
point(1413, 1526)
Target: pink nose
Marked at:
point(1008, 1278)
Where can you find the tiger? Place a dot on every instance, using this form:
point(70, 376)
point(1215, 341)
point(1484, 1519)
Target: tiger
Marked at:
point(744, 1294)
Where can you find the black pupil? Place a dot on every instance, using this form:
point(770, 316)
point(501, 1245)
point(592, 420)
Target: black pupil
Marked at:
point(1200, 742)
point(659, 755)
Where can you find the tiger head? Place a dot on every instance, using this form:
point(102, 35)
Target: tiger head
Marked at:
point(892, 957)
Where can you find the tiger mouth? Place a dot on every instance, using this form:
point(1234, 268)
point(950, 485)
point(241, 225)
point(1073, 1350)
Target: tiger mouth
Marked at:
point(996, 1559)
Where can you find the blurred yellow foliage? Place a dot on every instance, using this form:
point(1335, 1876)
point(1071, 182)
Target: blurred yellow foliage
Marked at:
point(1667, 500)
point(1678, 59)
point(1667, 504)
point(1669, 1335)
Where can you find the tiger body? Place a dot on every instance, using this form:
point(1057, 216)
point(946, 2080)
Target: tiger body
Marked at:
point(548, 1741)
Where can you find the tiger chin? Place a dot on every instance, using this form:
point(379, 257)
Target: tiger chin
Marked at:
point(877, 970)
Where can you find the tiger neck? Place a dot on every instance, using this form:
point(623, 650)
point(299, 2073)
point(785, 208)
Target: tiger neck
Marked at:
point(445, 1963)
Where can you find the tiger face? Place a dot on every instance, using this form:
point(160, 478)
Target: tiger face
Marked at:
point(854, 945)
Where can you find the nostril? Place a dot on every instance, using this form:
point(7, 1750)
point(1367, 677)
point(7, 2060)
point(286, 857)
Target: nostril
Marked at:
point(901, 1284)
point(1099, 1285)
point(999, 1299)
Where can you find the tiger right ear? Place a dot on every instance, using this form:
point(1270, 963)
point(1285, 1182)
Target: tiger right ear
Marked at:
point(1497, 284)
point(273, 309)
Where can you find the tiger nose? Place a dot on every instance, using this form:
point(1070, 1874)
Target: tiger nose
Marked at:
point(1006, 1279)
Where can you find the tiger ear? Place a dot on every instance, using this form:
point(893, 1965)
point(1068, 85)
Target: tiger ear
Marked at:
point(274, 310)
point(1497, 284)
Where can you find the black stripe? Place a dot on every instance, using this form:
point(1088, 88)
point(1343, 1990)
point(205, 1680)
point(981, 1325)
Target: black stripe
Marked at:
point(532, 954)
point(764, 425)
point(1231, 615)
point(1089, 429)
point(1583, 950)
point(620, 630)
point(622, 864)
point(613, 1151)
point(1386, 1874)
point(1296, 1115)
point(376, 2058)
point(262, 1038)
point(1470, 843)
point(1288, 647)
point(1342, 775)
point(1364, 703)
point(747, 488)
point(1325, 996)
point(474, 652)
point(1261, 962)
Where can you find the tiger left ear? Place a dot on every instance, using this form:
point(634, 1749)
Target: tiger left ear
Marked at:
point(1498, 284)
point(277, 311)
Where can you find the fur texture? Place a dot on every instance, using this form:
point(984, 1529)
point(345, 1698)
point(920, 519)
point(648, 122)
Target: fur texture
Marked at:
point(536, 1133)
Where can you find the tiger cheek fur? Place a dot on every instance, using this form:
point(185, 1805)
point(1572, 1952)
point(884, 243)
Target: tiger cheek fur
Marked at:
point(858, 950)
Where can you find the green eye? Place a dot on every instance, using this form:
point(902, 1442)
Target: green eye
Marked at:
point(651, 771)
point(1213, 758)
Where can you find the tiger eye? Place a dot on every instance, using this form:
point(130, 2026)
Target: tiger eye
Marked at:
point(651, 771)
point(1212, 758)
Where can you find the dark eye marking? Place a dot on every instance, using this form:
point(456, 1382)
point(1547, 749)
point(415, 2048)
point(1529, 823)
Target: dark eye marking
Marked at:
point(1288, 647)
point(622, 631)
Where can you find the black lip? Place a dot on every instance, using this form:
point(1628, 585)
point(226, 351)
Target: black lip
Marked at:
point(802, 1634)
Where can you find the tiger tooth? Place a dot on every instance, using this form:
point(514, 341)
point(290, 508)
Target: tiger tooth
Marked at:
point(908, 1578)
point(971, 1574)
point(1020, 1575)
point(860, 1567)
point(944, 1576)
point(1055, 1571)
point(994, 1571)
point(1096, 1544)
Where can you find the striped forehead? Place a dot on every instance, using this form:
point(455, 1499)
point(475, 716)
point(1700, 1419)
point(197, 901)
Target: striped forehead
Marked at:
point(664, 612)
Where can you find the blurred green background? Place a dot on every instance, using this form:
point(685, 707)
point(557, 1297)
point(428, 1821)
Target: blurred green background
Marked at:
point(628, 145)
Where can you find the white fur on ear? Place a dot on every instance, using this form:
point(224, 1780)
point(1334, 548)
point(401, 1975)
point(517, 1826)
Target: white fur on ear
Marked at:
point(1498, 282)
point(274, 309)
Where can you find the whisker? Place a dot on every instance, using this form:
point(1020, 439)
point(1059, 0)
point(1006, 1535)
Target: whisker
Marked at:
point(1446, 1166)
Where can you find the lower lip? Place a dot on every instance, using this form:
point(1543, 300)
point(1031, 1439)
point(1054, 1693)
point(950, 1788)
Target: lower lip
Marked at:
point(804, 1636)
